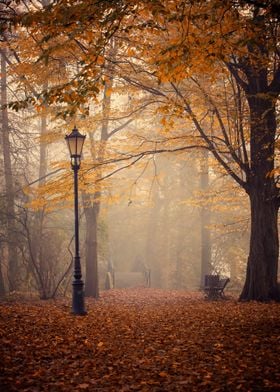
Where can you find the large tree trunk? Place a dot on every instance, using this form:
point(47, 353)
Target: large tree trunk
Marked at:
point(261, 277)
point(13, 267)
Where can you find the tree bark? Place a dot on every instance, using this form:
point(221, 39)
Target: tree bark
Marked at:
point(92, 204)
point(205, 221)
point(261, 277)
point(13, 267)
point(2, 285)
point(152, 240)
point(91, 255)
point(40, 215)
point(38, 224)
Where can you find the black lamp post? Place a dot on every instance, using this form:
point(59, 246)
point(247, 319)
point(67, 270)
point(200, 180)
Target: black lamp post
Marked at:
point(75, 142)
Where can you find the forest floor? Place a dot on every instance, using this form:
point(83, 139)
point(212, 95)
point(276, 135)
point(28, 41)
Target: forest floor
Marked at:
point(140, 340)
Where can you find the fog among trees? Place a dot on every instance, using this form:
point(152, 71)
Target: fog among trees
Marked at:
point(179, 174)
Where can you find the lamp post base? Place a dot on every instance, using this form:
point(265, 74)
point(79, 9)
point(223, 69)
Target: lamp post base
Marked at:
point(78, 298)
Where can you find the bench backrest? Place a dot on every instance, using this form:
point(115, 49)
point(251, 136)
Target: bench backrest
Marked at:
point(211, 280)
point(215, 281)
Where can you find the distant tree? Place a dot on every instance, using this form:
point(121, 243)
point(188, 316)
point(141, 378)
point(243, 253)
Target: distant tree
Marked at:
point(206, 267)
point(13, 261)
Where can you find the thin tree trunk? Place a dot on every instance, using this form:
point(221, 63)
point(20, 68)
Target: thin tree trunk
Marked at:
point(151, 258)
point(92, 204)
point(180, 232)
point(205, 221)
point(40, 215)
point(91, 254)
point(2, 285)
point(165, 251)
point(13, 266)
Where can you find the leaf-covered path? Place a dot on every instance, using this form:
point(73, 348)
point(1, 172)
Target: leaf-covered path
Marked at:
point(140, 340)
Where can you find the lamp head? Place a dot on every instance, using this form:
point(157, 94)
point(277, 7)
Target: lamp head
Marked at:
point(75, 141)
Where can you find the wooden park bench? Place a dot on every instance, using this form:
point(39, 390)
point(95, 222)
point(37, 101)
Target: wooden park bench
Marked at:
point(214, 286)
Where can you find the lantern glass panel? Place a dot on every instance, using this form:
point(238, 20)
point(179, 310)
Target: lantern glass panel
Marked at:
point(75, 142)
point(79, 145)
